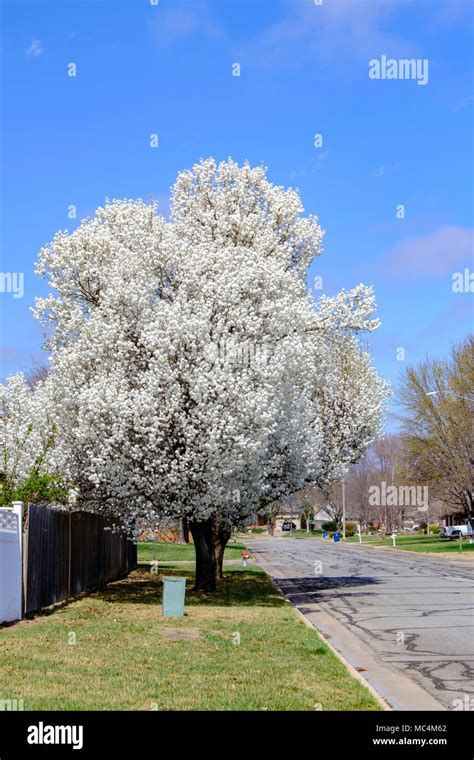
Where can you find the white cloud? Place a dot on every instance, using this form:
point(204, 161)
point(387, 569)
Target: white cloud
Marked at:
point(438, 253)
point(34, 50)
point(337, 32)
point(173, 24)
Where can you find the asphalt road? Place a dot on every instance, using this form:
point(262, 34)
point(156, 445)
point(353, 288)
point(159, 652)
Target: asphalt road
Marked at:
point(415, 614)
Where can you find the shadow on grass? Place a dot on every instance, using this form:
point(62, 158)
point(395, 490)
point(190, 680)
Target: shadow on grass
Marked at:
point(240, 587)
point(29, 617)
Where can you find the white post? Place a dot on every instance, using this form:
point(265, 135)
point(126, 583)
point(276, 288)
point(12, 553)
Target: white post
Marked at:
point(394, 538)
point(18, 510)
point(360, 533)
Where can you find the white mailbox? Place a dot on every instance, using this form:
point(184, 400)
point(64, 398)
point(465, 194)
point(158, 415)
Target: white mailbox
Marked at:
point(11, 563)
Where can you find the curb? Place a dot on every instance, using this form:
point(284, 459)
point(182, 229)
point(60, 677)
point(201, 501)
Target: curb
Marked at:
point(355, 673)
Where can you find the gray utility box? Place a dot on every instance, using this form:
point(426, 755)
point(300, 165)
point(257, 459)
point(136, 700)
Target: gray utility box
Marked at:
point(174, 590)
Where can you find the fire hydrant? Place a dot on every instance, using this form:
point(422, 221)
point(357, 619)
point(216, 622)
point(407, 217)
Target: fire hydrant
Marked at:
point(245, 557)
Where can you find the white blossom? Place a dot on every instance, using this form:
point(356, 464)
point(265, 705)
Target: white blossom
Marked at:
point(190, 372)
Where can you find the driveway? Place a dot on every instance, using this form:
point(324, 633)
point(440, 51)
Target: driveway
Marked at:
point(406, 620)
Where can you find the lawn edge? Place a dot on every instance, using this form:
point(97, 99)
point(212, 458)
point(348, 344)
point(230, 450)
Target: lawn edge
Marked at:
point(396, 550)
point(430, 555)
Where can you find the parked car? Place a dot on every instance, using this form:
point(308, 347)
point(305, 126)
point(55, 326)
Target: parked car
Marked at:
point(455, 531)
point(287, 525)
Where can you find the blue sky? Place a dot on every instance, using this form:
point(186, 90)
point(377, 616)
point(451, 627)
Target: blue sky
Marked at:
point(167, 69)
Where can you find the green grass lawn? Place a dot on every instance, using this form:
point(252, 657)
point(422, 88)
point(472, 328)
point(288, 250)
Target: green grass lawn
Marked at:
point(150, 550)
point(301, 534)
point(128, 657)
point(417, 543)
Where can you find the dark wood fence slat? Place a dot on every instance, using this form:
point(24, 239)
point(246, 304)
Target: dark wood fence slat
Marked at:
point(60, 565)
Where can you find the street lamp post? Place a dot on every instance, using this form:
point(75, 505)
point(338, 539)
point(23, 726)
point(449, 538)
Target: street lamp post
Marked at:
point(344, 509)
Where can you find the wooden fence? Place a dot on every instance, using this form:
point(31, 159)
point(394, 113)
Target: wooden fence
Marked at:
point(69, 552)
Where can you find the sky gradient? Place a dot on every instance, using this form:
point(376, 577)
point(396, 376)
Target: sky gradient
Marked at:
point(304, 70)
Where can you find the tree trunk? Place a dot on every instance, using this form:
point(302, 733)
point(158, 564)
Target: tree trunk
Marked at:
point(202, 533)
point(222, 533)
point(184, 531)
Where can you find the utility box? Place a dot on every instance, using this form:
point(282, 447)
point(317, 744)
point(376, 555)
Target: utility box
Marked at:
point(174, 590)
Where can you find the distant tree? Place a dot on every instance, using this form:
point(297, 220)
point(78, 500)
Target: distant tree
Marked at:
point(37, 374)
point(27, 437)
point(437, 398)
point(380, 467)
point(307, 514)
point(360, 478)
point(384, 460)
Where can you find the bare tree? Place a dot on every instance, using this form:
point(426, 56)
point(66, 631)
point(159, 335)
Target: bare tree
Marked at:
point(359, 480)
point(437, 398)
point(36, 374)
point(385, 460)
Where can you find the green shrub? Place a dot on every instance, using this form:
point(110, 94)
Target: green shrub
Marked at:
point(329, 526)
point(435, 529)
point(36, 488)
point(351, 529)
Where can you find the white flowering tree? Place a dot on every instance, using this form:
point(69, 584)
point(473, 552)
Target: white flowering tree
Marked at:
point(348, 395)
point(27, 440)
point(188, 363)
point(352, 398)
